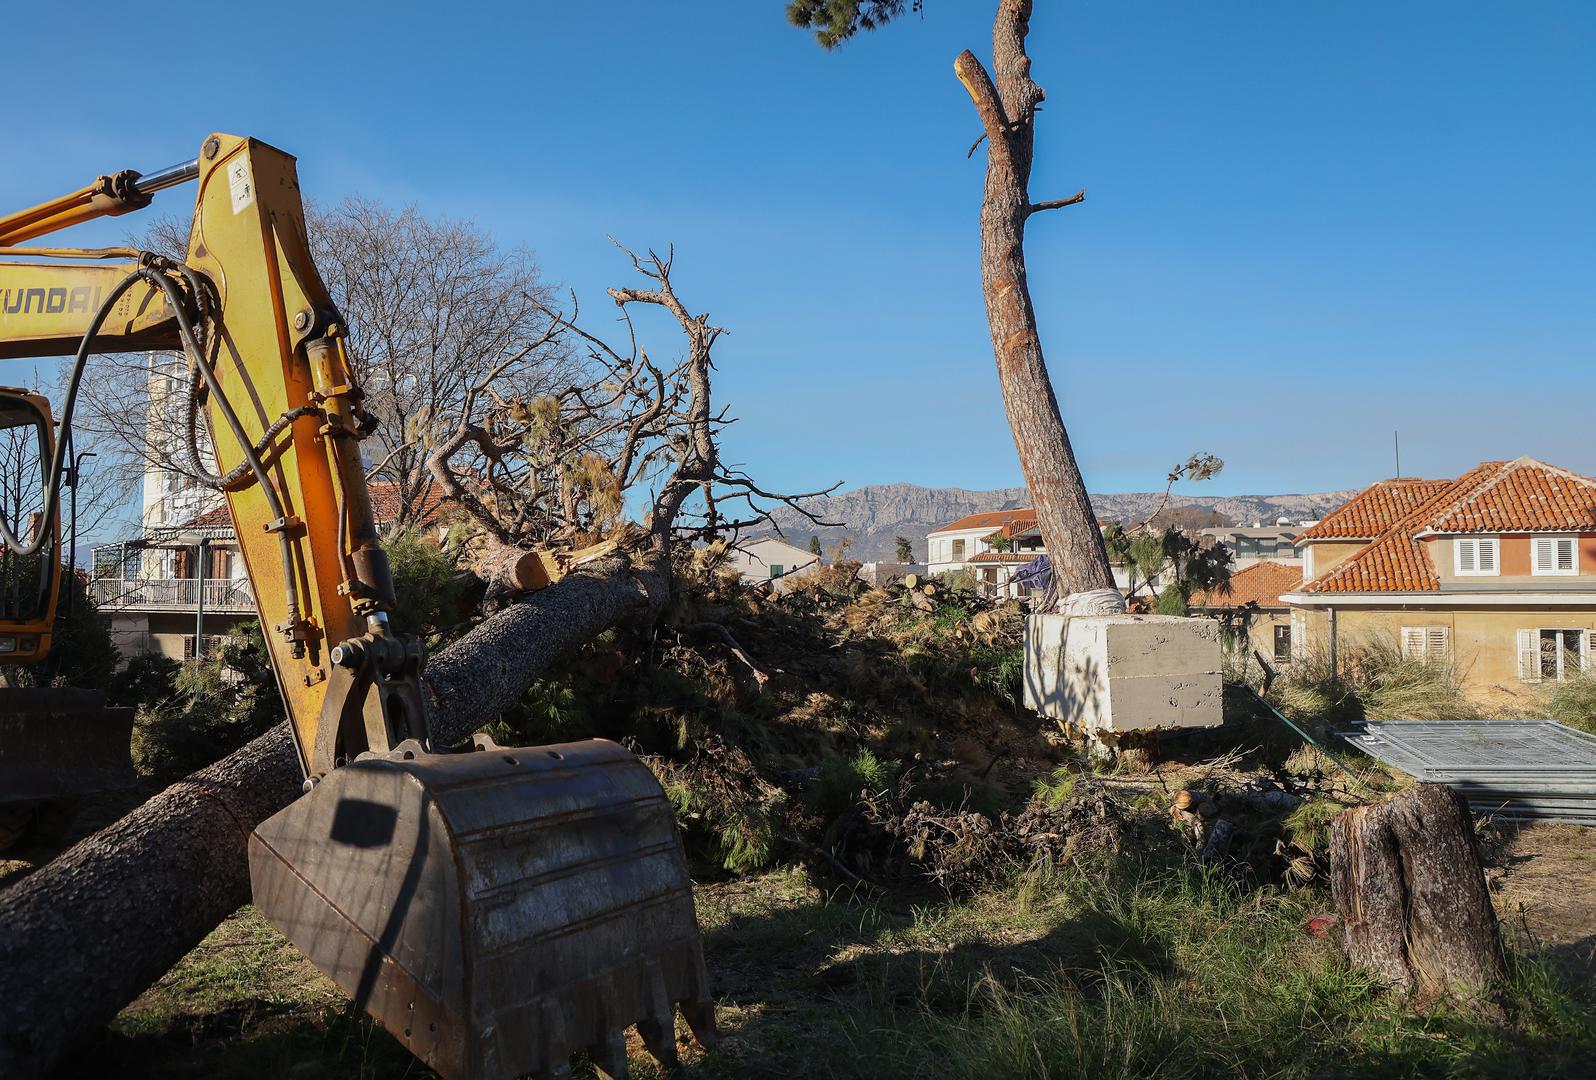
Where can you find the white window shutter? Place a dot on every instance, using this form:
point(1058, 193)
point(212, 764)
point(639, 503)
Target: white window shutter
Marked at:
point(1437, 643)
point(1413, 642)
point(1465, 556)
point(1529, 656)
point(1545, 548)
point(1565, 554)
point(1487, 557)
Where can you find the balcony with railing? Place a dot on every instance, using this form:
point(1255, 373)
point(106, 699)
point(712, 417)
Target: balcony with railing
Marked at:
point(222, 595)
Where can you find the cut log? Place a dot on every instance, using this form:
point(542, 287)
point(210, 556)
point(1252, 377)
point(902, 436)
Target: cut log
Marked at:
point(88, 933)
point(1406, 878)
point(530, 569)
point(910, 580)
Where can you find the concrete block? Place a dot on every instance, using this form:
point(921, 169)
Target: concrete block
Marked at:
point(1120, 673)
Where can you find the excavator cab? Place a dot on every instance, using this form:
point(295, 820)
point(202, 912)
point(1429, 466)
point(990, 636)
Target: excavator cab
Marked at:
point(498, 909)
point(57, 744)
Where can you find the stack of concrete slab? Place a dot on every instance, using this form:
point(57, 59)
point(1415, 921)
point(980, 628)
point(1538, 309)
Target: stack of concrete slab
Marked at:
point(1515, 770)
point(1112, 674)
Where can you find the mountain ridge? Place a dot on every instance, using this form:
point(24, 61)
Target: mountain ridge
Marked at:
point(873, 516)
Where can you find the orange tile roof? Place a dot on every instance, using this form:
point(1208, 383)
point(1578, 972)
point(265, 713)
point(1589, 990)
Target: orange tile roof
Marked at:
point(1010, 523)
point(995, 519)
point(1526, 496)
point(1373, 510)
point(1004, 556)
point(385, 505)
point(1523, 495)
point(1261, 584)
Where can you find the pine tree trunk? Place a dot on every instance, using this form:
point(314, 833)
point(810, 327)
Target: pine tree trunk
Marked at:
point(85, 935)
point(1414, 907)
point(1007, 110)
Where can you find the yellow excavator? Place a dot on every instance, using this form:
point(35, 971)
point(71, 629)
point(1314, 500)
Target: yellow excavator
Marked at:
point(498, 909)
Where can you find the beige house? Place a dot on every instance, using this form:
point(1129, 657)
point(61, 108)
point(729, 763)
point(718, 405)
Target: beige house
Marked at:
point(1255, 618)
point(1494, 573)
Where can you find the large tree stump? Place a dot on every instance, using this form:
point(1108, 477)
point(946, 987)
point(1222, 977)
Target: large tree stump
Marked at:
point(1414, 907)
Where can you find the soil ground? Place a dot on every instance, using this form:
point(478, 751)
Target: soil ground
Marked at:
point(1543, 884)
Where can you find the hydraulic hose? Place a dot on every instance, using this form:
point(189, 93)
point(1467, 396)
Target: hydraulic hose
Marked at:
point(152, 270)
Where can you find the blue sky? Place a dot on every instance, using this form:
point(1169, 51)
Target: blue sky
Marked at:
point(1306, 224)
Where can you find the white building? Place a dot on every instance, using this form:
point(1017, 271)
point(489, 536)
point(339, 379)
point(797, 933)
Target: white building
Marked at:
point(768, 558)
point(991, 546)
point(995, 546)
point(151, 584)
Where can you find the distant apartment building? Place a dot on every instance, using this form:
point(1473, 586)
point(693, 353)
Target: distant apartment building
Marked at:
point(179, 585)
point(1258, 542)
point(1493, 573)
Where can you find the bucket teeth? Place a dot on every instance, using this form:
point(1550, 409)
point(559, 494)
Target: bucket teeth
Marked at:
point(497, 911)
point(610, 1057)
point(700, 1017)
point(658, 1029)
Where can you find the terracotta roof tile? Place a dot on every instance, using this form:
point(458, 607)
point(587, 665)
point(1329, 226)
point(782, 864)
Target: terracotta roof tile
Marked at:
point(1004, 557)
point(385, 505)
point(995, 519)
point(1374, 509)
point(1524, 495)
point(1261, 584)
point(1010, 523)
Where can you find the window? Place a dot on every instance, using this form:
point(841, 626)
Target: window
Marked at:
point(1554, 555)
point(213, 645)
point(1475, 557)
point(1427, 644)
point(1282, 643)
point(958, 549)
point(777, 569)
point(1550, 654)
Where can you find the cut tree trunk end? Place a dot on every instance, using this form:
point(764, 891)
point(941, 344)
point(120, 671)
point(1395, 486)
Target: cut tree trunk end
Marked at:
point(1414, 906)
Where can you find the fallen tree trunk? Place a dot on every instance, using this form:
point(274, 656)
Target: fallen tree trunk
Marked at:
point(85, 935)
point(1407, 883)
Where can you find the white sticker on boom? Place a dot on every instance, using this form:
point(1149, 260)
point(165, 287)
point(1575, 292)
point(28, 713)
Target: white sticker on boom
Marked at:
point(242, 187)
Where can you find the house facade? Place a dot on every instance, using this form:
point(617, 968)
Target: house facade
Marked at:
point(179, 586)
point(995, 546)
point(769, 558)
point(1255, 618)
point(992, 547)
point(1493, 573)
point(1257, 542)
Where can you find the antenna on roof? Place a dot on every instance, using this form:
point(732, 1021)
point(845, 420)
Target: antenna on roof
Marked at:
point(1396, 443)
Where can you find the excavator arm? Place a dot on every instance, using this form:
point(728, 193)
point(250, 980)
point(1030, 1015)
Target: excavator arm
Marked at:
point(273, 369)
point(497, 910)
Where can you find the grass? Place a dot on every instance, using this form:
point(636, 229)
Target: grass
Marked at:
point(1371, 679)
point(1573, 702)
point(1112, 969)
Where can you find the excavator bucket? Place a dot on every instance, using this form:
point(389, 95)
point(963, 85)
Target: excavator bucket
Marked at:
point(60, 743)
point(497, 911)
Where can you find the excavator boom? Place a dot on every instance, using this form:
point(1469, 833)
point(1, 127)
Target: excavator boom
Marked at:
point(497, 909)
